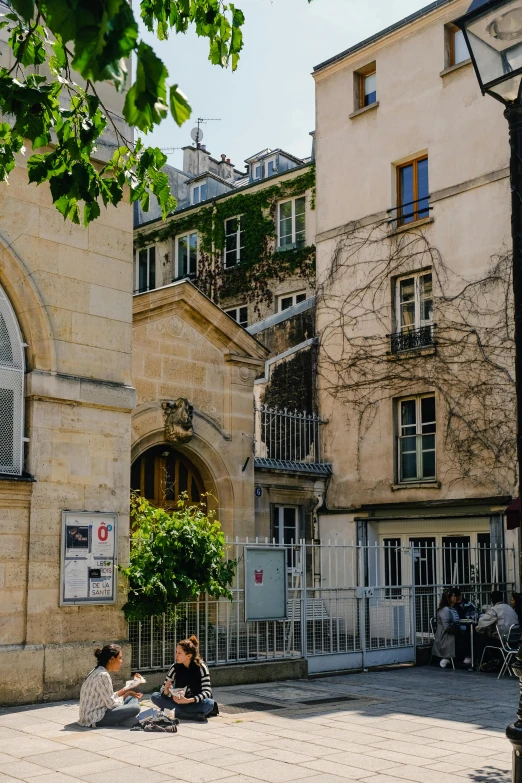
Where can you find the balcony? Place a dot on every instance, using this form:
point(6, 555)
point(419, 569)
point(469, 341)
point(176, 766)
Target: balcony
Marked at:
point(411, 339)
point(289, 441)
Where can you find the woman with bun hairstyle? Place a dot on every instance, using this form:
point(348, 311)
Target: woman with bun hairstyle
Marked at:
point(99, 704)
point(191, 673)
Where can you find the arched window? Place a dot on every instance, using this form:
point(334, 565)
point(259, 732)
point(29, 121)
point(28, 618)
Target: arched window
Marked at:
point(11, 390)
point(162, 474)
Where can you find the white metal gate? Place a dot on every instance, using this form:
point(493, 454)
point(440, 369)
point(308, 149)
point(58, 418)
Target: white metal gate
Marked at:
point(350, 606)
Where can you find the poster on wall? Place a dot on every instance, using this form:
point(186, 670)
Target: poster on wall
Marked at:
point(89, 557)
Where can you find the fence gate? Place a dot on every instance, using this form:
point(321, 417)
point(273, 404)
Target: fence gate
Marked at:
point(349, 606)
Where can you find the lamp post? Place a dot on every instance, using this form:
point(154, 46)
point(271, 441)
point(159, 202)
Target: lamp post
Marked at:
point(493, 33)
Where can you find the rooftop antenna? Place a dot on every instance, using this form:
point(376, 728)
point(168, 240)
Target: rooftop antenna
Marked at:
point(196, 134)
point(169, 150)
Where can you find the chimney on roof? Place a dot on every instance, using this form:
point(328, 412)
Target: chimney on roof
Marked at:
point(196, 160)
point(226, 168)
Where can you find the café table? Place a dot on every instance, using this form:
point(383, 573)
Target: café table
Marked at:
point(472, 624)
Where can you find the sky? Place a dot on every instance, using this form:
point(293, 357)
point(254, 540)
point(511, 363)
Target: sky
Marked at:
point(269, 100)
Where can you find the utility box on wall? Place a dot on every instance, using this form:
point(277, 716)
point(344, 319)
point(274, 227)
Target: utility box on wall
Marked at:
point(265, 584)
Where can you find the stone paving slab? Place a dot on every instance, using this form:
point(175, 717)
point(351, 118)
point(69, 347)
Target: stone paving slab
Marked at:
point(424, 725)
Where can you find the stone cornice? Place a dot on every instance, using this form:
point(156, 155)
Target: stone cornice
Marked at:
point(201, 313)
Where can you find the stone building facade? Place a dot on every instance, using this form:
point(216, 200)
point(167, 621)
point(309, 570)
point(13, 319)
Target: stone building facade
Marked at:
point(413, 259)
point(70, 293)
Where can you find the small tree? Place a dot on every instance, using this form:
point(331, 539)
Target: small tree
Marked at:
point(175, 556)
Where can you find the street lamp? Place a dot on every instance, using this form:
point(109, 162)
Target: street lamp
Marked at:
point(493, 33)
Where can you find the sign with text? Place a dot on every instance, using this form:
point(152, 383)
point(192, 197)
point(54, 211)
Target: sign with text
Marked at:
point(89, 556)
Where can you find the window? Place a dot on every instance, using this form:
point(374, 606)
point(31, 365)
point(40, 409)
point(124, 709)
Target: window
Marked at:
point(271, 168)
point(199, 193)
point(239, 314)
point(187, 255)
point(413, 312)
point(234, 241)
point(416, 452)
point(392, 566)
point(365, 87)
point(291, 222)
point(457, 49)
point(12, 368)
point(146, 269)
point(412, 191)
point(368, 89)
point(288, 528)
point(289, 300)
point(258, 171)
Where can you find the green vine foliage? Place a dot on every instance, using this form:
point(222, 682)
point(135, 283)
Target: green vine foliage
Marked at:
point(262, 265)
point(175, 556)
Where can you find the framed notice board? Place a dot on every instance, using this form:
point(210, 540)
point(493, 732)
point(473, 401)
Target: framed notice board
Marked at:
point(265, 584)
point(89, 556)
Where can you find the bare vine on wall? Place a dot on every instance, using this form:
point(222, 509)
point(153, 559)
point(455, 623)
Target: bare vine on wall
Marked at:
point(469, 365)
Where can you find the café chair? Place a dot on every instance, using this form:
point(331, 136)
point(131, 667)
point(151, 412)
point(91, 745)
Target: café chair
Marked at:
point(433, 627)
point(510, 646)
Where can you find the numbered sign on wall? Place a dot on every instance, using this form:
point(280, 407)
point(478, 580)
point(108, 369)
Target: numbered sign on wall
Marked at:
point(89, 555)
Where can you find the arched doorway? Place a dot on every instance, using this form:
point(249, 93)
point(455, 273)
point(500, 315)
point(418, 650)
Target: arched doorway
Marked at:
point(161, 474)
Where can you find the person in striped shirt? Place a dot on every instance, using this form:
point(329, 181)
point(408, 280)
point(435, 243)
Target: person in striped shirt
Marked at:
point(187, 688)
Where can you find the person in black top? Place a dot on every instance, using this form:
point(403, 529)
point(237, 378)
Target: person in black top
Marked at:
point(187, 689)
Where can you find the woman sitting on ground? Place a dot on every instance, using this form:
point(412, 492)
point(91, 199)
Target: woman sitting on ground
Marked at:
point(449, 642)
point(191, 673)
point(99, 704)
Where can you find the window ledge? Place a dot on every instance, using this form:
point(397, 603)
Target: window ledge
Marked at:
point(416, 485)
point(408, 226)
point(293, 246)
point(453, 68)
point(363, 110)
point(413, 353)
point(25, 477)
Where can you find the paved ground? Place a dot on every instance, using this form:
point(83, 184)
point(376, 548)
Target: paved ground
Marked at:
point(427, 725)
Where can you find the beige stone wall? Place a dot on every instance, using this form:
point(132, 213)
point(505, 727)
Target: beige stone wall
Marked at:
point(185, 346)
point(420, 110)
point(71, 290)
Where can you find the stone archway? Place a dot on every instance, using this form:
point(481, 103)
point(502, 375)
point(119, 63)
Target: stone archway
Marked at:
point(201, 453)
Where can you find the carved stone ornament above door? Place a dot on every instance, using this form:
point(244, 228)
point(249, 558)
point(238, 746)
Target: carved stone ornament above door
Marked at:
point(178, 420)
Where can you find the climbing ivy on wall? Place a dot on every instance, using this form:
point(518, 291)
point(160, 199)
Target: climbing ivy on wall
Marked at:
point(262, 265)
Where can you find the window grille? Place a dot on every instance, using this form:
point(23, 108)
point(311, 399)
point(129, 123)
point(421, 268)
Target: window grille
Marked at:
point(11, 390)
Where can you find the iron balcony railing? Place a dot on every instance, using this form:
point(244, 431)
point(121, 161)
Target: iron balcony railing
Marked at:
point(411, 339)
point(289, 440)
point(410, 211)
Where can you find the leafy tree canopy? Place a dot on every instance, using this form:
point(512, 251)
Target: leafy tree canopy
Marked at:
point(175, 556)
point(58, 43)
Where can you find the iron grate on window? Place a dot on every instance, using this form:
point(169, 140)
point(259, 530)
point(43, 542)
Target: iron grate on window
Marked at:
point(11, 390)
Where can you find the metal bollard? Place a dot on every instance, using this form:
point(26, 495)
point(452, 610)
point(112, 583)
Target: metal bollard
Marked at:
point(514, 735)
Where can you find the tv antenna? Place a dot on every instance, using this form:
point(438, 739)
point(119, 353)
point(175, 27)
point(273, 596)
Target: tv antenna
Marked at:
point(196, 134)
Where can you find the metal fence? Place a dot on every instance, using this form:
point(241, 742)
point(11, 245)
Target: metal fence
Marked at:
point(286, 436)
point(362, 604)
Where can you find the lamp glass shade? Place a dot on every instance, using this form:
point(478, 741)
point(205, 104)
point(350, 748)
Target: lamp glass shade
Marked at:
point(494, 38)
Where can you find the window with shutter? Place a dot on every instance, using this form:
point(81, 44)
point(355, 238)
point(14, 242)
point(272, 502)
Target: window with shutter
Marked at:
point(11, 390)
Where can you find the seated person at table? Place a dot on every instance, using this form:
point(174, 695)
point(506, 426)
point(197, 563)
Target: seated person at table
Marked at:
point(99, 704)
point(449, 642)
point(516, 604)
point(500, 615)
point(465, 609)
point(190, 672)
